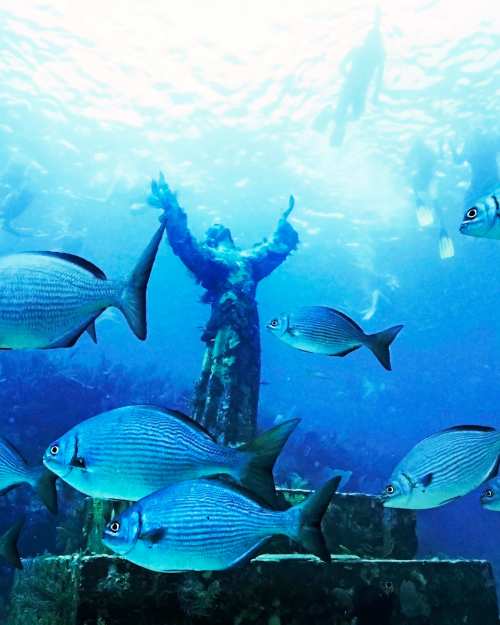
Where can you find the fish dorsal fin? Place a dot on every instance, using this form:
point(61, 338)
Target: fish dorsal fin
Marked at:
point(182, 417)
point(75, 260)
point(470, 428)
point(344, 316)
point(221, 480)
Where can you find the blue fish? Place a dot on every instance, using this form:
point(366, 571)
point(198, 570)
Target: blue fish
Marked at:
point(207, 525)
point(130, 452)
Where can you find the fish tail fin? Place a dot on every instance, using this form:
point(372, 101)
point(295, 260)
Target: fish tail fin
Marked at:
point(380, 342)
point(133, 297)
point(256, 473)
point(8, 544)
point(311, 513)
point(44, 483)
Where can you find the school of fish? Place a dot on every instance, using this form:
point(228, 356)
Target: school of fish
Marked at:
point(198, 505)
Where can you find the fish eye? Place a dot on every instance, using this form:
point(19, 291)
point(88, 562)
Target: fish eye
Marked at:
point(114, 527)
point(390, 489)
point(489, 493)
point(54, 450)
point(472, 213)
point(274, 323)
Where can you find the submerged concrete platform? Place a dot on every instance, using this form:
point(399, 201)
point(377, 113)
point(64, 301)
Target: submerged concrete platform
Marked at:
point(271, 590)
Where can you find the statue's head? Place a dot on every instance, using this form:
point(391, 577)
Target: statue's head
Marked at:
point(219, 236)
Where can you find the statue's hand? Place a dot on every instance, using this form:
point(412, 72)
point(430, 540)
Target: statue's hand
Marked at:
point(291, 204)
point(161, 195)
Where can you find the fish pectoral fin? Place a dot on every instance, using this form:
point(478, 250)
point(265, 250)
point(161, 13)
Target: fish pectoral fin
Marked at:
point(154, 536)
point(293, 332)
point(78, 462)
point(427, 479)
point(346, 351)
point(70, 338)
point(91, 331)
point(450, 500)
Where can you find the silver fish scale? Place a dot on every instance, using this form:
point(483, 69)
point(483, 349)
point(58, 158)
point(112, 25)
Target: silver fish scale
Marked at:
point(132, 451)
point(452, 456)
point(208, 526)
point(47, 297)
point(324, 326)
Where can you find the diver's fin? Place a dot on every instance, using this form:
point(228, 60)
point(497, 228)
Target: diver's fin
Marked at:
point(257, 474)
point(45, 488)
point(8, 544)
point(311, 513)
point(346, 351)
point(380, 342)
point(446, 248)
point(91, 331)
point(133, 298)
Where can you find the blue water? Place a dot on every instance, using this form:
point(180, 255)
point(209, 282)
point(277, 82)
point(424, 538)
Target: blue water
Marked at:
point(222, 97)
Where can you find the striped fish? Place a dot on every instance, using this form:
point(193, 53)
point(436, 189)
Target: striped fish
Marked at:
point(132, 451)
point(206, 525)
point(323, 330)
point(49, 299)
point(15, 471)
point(483, 219)
point(490, 497)
point(443, 467)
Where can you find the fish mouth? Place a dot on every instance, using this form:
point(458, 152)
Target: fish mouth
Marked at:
point(463, 226)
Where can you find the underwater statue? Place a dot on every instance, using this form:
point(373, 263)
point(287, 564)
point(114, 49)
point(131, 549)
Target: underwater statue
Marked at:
point(227, 393)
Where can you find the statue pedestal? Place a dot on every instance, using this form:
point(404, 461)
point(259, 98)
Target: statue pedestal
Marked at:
point(364, 585)
point(271, 590)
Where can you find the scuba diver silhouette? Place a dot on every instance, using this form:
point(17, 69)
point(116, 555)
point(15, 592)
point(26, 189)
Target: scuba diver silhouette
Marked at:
point(421, 164)
point(480, 151)
point(361, 66)
point(226, 395)
point(17, 198)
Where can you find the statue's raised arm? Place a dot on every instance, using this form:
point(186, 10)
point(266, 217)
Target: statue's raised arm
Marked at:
point(270, 253)
point(194, 255)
